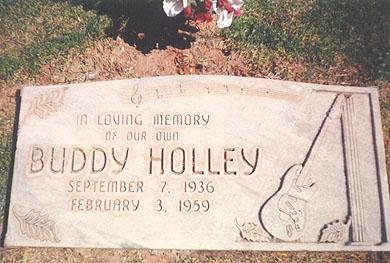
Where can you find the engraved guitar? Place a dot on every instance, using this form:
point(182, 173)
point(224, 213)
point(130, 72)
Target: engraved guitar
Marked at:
point(283, 215)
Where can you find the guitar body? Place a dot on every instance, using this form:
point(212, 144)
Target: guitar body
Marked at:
point(284, 214)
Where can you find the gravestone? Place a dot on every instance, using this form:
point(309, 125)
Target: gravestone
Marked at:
point(200, 162)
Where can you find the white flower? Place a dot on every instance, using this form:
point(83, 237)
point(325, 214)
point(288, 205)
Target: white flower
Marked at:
point(236, 4)
point(224, 17)
point(174, 7)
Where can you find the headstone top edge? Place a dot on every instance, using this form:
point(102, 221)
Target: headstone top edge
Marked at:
point(216, 78)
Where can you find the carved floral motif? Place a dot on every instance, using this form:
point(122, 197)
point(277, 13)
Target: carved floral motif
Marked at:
point(336, 231)
point(47, 103)
point(36, 225)
point(252, 232)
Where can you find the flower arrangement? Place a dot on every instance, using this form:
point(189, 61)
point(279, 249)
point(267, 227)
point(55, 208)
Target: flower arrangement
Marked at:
point(201, 10)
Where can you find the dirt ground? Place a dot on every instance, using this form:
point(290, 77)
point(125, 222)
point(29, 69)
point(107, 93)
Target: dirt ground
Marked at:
point(208, 54)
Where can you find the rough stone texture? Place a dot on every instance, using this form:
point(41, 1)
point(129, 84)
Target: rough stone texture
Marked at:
point(257, 164)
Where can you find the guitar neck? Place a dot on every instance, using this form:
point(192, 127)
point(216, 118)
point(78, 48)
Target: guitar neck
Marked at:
point(333, 114)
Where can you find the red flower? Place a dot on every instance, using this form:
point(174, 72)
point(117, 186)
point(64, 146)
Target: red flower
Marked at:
point(226, 4)
point(188, 11)
point(202, 17)
point(237, 12)
point(208, 4)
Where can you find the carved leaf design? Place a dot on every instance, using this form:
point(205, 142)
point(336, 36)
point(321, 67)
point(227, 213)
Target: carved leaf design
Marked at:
point(336, 231)
point(47, 103)
point(37, 226)
point(252, 232)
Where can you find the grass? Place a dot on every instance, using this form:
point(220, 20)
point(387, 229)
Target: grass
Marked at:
point(315, 32)
point(5, 159)
point(320, 33)
point(34, 32)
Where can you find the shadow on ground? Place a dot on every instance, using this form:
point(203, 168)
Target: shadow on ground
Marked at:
point(142, 23)
point(7, 153)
